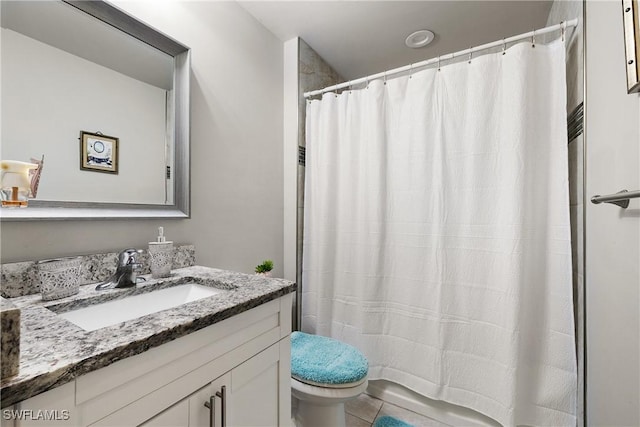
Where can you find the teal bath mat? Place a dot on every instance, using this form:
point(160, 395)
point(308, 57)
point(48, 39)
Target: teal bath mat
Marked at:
point(387, 421)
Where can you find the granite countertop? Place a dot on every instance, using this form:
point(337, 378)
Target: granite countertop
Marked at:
point(54, 351)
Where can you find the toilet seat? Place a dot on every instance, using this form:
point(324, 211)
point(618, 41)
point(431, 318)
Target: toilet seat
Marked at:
point(328, 395)
point(325, 373)
point(325, 385)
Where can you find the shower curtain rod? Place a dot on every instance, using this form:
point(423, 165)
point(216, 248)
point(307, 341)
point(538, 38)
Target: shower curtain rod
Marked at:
point(503, 42)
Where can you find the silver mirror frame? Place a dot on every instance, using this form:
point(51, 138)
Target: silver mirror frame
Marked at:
point(52, 210)
point(631, 20)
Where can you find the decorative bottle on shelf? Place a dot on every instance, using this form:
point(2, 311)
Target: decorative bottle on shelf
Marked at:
point(16, 183)
point(160, 256)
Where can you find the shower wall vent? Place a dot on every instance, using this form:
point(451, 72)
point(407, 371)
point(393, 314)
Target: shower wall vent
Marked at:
point(301, 155)
point(575, 122)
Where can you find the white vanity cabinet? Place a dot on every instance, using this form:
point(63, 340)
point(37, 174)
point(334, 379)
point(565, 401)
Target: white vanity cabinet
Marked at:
point(250, 398)
point(247, 354)
point(248, 395)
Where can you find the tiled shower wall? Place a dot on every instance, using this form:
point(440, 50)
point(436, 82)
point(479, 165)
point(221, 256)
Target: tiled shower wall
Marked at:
point(313, 73)
point(564, 11)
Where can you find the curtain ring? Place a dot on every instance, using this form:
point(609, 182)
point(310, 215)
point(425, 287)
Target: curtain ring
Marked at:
point(470, 53)
point(410, 70)
point(504, 47)
point(349, 86)
point(533, 38)
point(438, 62)
point(384, 78)
point(563, 28)
point(367, 81)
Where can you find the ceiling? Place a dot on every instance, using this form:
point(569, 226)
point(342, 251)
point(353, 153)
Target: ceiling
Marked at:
point(359, 38)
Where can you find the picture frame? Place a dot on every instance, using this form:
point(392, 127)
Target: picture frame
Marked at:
point(98, 152)
point(631, 19)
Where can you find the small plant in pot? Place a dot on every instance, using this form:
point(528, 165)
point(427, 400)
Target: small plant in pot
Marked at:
point(265, 268)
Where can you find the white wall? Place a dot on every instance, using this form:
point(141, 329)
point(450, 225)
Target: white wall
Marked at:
point(291, 184)
point(612, 234)
point(236, 149)
point(49, 96)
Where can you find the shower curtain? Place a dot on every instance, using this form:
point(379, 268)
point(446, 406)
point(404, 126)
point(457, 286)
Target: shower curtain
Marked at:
point(437, 236)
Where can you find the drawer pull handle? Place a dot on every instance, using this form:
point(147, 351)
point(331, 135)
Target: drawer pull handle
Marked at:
point(211, 404)
point(223, 413)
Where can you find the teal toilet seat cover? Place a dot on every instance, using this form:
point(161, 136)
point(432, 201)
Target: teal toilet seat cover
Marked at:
point(324, 360)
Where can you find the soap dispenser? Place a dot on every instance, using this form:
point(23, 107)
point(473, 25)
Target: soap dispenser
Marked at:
point(161, 256)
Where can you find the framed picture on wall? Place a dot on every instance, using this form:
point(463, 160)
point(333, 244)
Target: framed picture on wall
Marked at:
point(98, 152)
point(631, 18)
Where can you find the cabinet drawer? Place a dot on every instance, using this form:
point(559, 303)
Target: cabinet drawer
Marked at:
point(177, 415)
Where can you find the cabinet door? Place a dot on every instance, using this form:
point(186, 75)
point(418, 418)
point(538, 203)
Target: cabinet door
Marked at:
point(175, 416)
point(254, 397)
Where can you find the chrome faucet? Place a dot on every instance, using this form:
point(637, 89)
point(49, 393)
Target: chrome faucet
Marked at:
point(126, 271)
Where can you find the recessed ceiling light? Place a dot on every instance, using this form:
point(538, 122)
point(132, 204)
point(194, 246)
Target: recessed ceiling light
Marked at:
point(419, 38)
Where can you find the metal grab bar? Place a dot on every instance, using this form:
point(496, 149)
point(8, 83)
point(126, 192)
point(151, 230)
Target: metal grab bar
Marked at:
point(621, 198)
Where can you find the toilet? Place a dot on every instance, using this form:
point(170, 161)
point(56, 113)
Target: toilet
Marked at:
point(325, 373)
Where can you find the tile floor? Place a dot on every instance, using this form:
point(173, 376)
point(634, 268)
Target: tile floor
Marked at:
point(364, 410)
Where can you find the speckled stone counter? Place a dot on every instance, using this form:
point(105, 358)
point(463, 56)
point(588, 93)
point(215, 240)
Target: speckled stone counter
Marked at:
point(18, 279)
point(10, 345)
point(54, 351)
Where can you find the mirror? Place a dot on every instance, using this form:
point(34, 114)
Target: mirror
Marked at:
point(631, 20)
point(105, 99)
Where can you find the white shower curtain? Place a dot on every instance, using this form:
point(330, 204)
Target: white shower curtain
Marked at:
point(437, 236)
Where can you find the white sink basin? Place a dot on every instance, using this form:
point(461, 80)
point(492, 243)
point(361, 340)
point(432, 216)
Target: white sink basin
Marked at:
point(120, 310)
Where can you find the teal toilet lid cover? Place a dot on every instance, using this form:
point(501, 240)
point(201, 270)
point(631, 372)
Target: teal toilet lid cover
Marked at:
point(324, 360)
